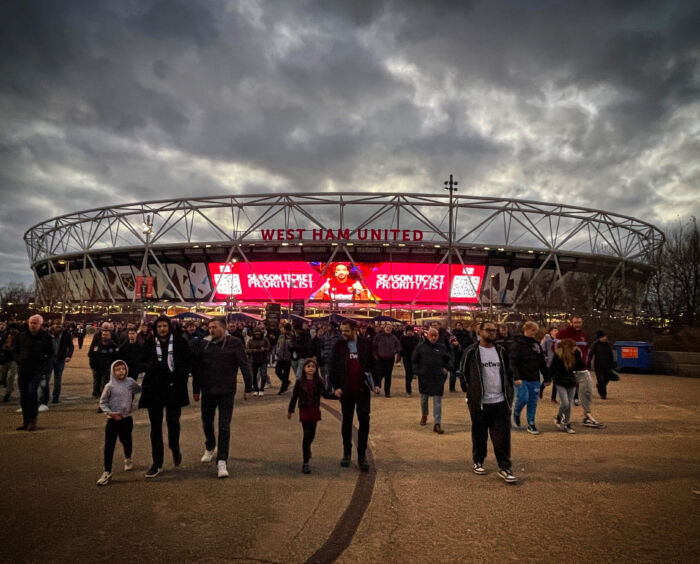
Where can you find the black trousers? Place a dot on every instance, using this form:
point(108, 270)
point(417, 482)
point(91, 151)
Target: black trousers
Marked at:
point(350, 404)
point(117, 430)
point(282, 368)
point(309, 428)
point(453, 382)
point(602, 383)
point(172, 420)
point(408, 368)
point(99, 381)
point(224, 402)
point(383, 370)
point(28, 398)
point(493, 419)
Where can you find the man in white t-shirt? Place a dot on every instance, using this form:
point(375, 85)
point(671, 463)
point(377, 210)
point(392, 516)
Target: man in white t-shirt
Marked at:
point(486, 372)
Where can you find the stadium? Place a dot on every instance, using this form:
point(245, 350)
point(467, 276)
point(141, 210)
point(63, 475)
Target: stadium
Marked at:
point(333, 251)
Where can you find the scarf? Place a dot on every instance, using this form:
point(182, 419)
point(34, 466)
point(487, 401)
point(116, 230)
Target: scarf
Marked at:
point(159, 352)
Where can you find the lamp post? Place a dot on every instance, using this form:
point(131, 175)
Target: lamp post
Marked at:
point(65, 288)
point(451, 187)
point(147, 230)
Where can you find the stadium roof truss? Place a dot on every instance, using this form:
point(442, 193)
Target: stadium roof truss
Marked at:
point(493, 231)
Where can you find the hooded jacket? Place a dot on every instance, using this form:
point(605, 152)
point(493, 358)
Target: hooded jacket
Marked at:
point(118, 395)
point(285, 342)
point(258, 348)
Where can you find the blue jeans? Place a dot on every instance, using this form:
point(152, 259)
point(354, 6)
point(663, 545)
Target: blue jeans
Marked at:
point(437, 407)
point(57, 368)
point(528, 394)
point(297, 365)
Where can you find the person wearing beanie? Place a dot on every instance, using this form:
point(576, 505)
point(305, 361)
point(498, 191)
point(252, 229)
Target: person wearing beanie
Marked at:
point(602, 362)
point(258, 350)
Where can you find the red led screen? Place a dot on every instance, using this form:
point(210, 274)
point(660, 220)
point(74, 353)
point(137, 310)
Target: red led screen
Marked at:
point(343, 282)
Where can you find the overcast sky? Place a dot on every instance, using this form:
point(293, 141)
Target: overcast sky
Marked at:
point(589, 103)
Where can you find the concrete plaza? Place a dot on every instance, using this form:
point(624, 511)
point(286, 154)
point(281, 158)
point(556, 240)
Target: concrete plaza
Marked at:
point(627, 493)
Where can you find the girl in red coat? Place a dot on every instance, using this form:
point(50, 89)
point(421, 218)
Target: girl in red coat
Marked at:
point(307, 390)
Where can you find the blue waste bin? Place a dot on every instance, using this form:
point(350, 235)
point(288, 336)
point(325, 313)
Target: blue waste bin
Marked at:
point(633, 354)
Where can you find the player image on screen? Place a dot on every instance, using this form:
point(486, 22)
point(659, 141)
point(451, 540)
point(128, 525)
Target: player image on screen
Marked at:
point(341, 287)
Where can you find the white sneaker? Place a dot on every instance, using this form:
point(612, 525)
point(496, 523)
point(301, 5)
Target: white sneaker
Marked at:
point(128, 464)
point(208, 455)
point(104, 479)
point(43, 407)
point(261, 394)
point(221, 470)
point(18, 410)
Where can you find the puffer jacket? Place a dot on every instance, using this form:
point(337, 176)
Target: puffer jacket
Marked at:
point(258, 349)
point(527, 360)
point(429, 360)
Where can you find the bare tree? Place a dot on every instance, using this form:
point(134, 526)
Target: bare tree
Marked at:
point(16, 293)
point(674, 291)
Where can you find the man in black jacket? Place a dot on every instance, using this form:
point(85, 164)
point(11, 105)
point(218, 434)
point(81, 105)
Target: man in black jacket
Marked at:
point(33, 352)
point(62, 342)
point(217, 360)
point(351, 361)
point(103, 352)
point(489, 382)
point(167, 366)
point(527, 362)
point(131, 352)
point(431, 363)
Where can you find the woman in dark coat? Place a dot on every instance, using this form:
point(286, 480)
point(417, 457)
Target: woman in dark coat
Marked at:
point(167, 367)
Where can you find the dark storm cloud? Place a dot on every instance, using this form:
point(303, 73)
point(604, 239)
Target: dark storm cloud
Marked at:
point(590, 103)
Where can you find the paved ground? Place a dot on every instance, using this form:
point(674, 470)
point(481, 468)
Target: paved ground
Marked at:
point(626, 493)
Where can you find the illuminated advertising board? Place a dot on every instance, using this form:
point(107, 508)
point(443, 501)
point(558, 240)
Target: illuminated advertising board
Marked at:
point(342, 282)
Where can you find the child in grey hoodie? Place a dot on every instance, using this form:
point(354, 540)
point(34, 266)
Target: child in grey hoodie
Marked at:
point(116, 401)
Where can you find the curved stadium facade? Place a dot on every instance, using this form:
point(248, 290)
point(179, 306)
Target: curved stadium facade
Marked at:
point(398, 249)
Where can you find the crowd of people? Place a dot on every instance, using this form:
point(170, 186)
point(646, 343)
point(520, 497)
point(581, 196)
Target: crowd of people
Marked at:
point(503, 375)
